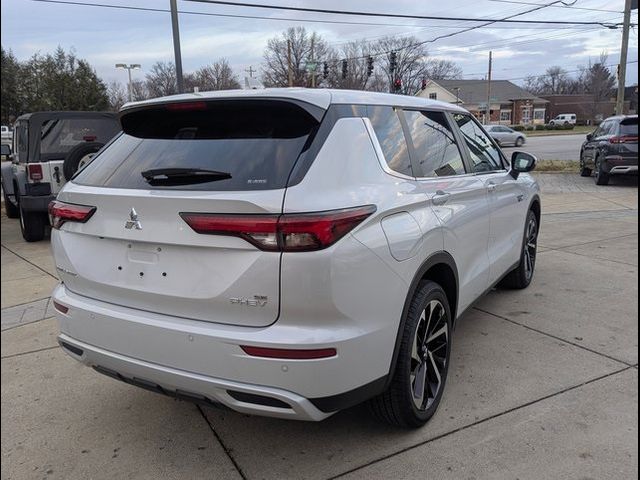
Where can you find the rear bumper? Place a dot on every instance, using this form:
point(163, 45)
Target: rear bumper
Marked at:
point(618, 164)
point(191, 386)
point(203, 361)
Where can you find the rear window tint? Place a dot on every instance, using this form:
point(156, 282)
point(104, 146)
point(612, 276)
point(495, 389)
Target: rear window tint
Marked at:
point(256, 142)
point(389, 131)
point(60, 135)
point(629, 127)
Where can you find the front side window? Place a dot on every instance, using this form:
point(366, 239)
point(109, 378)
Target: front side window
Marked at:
point(434, 144)
point(485, 157)
point(388, 129)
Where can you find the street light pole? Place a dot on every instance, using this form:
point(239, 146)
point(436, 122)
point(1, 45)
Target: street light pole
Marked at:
point(130, 67)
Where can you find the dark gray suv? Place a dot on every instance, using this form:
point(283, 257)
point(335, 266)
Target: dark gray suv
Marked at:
point(612, 149)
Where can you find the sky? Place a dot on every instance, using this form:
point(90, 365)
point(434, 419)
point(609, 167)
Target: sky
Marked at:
point(106, 36)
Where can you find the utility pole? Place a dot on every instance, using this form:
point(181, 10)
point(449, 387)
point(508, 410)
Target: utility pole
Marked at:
point(176, 44)
point(250, 71)
point(622, 67)
point(487, 115)
point(457, 89)
point(289, 69)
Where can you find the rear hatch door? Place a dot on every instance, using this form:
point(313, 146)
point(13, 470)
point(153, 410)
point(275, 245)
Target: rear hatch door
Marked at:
point(136, 250)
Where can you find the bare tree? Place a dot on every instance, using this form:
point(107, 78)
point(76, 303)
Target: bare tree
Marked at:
point(440, 69)
point(303, 46)
point(355, 77)
point(161, 80)
point(217, 76)
point(139, 90)
point(117, 95)
point(411, 65)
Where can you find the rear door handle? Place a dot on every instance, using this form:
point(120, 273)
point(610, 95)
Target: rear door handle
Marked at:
point(491, 186)
point(440, 198)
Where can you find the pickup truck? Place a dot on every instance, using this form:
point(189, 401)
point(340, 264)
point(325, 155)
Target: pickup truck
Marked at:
point(48, 148)
point(7, 135)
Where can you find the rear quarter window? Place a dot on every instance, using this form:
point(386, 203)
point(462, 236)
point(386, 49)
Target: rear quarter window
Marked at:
point(256, 142)
point(388, 129)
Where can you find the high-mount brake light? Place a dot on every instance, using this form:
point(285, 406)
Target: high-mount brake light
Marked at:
point(60, 212)
point(186, 106)
point(285, 233)
point(35, 171)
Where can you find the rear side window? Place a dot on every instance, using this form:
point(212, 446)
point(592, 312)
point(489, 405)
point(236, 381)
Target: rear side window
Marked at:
point(59, 136)
point(434, 143)
point(255, 142)
point(629, 127)
point(388, 129)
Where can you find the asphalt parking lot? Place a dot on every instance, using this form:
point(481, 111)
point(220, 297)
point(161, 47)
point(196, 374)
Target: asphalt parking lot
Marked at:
point(552, 147)
point(543, 382)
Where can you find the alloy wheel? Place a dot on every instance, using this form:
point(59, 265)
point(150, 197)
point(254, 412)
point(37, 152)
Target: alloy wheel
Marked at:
point(429, 355)
point(530, 248)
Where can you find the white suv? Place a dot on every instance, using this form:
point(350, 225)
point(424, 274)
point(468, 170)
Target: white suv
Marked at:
point(289, 252)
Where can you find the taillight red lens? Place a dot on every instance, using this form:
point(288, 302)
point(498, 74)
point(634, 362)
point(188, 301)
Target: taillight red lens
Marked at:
point(35, 171)
point(292, 354)
point(623, 139)
point(285, 233)
point(60, 212)
point(259, 230)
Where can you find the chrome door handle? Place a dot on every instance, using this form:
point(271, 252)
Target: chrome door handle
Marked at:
point(491, 186)
point(440, 198)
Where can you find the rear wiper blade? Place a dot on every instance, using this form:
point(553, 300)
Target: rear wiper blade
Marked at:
point(182, 176)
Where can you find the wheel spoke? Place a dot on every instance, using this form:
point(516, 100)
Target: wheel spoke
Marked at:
point(418, 384)
point(444, 330)
point(436, 372)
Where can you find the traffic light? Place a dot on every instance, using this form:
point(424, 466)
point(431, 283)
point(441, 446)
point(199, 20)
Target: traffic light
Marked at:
point(392, 61)
point(424, 83)
point(325, 70)
point(344, 69)
point(397, 85)
point(369, 66)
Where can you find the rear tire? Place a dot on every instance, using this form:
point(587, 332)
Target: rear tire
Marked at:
point(602, 177)
point(523, 274)
point(10, 208)
point(32, 225)
point(423, 361)
point(584, 170)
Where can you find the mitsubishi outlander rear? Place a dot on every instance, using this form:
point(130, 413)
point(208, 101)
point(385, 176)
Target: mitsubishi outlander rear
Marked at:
point(289, 252)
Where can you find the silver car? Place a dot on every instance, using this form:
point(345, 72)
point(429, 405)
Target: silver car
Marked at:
point(505, 135)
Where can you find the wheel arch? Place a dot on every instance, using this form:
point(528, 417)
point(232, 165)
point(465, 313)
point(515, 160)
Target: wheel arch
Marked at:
point(441, 268)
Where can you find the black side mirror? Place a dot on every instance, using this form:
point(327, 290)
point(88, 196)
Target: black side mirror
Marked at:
point(522, 162)
point(589, 136)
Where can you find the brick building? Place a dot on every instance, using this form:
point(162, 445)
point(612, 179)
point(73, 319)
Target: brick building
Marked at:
point(510, 104)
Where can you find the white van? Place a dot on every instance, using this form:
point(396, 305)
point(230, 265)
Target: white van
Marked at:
point(564, 119)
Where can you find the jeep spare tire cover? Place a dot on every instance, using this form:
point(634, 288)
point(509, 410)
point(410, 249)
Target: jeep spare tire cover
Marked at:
point(76, 154)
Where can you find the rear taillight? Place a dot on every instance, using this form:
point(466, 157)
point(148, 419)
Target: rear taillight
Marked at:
point(59, 307)
point(186, 106)
point(623, 139)
point(285, 233)
point(35, 172)
point(60, 212)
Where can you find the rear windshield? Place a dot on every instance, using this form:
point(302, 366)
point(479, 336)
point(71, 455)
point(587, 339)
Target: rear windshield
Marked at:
point(59, 136)
point(629, 127)
point(255, 142)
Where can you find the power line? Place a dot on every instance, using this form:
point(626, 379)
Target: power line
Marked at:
point(566, 71)
point(573, 7)
point(256, 17)
point(397, 15)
